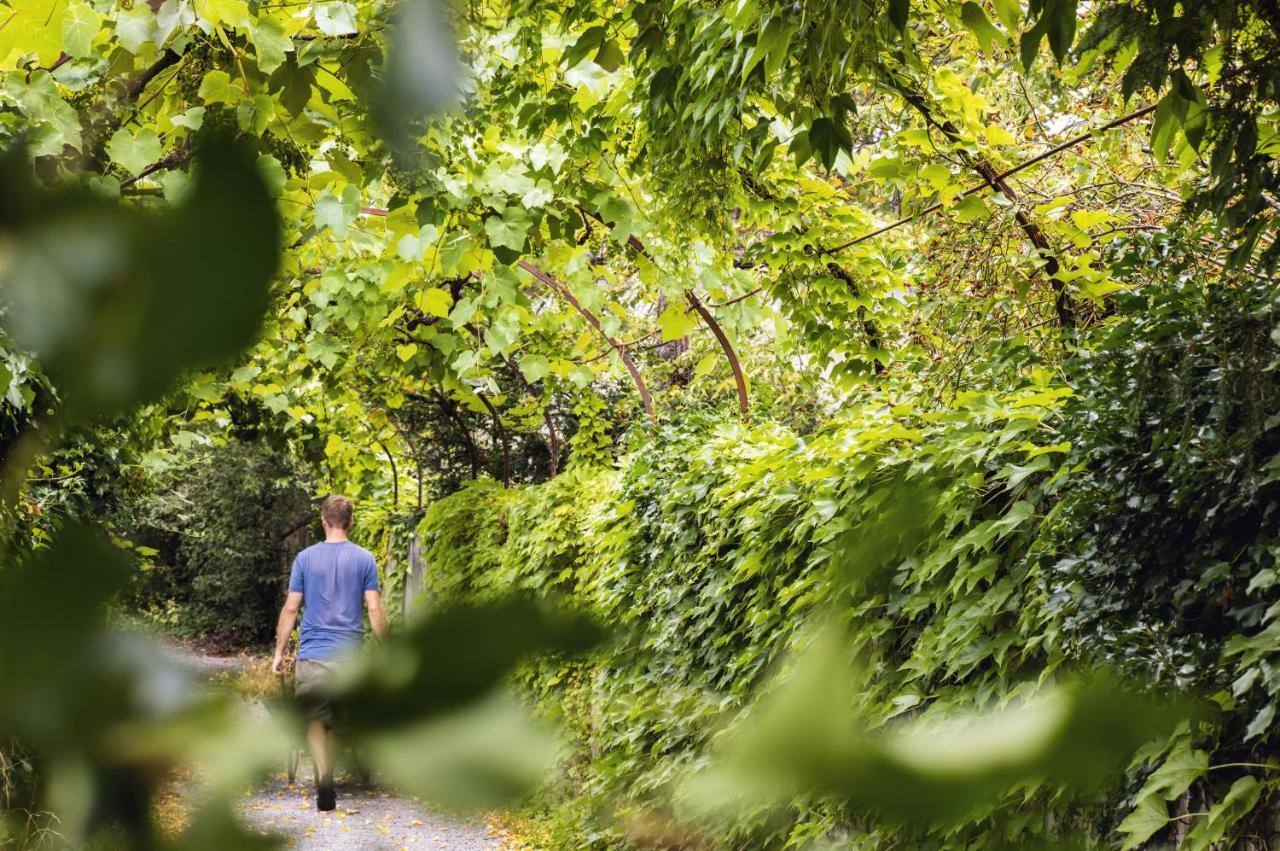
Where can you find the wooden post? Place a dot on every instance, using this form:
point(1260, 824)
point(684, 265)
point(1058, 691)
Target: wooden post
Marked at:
point(413, 576)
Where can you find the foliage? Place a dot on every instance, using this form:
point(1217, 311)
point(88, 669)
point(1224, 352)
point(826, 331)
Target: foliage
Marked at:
point(1001, 370)
point(223, 530)
point(1171, 575)
point(713, 552)
point(1122, 522)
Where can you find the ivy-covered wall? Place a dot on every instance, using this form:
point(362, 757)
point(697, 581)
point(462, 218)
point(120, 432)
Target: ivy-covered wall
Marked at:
point(973, 551)
point(708, 552)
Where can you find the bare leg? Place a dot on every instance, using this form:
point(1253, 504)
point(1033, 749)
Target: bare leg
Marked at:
point(321, 742)
point(318, 741)
point(331, 753)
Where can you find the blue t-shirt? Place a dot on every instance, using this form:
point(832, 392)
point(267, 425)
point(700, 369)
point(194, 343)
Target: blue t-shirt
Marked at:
point(332, 579)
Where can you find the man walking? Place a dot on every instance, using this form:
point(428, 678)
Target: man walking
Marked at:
point(329, 581)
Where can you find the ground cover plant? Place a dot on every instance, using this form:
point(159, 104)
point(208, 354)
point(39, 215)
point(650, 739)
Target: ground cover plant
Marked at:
point(818, 425)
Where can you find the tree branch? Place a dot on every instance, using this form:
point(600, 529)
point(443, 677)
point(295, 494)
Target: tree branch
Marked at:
point(502, 436)
point(727, 347)
point(743, 404)
point(167, 60)
point(985, 184)
point(594, 321)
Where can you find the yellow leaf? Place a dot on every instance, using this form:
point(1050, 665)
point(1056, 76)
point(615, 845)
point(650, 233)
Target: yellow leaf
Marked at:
point(434, 302)
point(35, 26)
point(233, 13)
point(997, 135)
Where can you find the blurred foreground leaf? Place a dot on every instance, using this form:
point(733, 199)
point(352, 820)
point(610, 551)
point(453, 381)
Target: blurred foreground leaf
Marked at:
point(428, 710)
point(50, 607)
point(215, 828)
point(478, 757)
point(808, 738)
point(457, 657)
point(421, 75)
point(108, 713)
point(903, 513)
point(117, 302)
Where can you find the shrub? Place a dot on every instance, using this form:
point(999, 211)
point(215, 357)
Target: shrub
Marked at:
point(225, 525)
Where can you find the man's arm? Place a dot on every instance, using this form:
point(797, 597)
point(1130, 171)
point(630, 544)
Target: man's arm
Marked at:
point(284, 628)
point(377, 617)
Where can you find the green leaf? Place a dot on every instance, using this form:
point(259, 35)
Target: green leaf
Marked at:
point(230, 13)
point(971, 209)
point(79, 28)
point(886, 168)
point(534, 368)
point(270, 44)
point(507, 230)
point(1261, 722)
point(825, 141)
point(272, 174)
point(176, 185)
point(337, 212)
point(135, 27)
point(975, 19)
point(1181, 768)
point(462, 312)
point(610, 56)
point(590, 40)
point(33, 27)
point(1085, 219)
point(336, 18)
point(134, 151)
point(216, 87)
point(1164, 127)
point(937, 175)
point(1060, 26)
point(255, 114)
point(899, 13)
point(1029, 44)
point(1239, 802)
point(1150, 814)
point(1009, 12)
point(192, 119)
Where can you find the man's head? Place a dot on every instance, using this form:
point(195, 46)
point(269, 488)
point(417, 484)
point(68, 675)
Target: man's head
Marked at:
point(336, 512)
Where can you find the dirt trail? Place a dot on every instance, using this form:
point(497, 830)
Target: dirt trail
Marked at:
point(370, 817)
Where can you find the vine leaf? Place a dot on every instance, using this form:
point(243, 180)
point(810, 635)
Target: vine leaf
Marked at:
point(975, 19)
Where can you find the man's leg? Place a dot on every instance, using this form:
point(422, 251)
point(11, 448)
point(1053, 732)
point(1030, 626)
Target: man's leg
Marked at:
point(312, 682)
point(321, 753)
point(331, 753)
point(320, 740)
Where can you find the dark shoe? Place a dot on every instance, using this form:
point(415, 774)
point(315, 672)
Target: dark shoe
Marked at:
point(326, 797)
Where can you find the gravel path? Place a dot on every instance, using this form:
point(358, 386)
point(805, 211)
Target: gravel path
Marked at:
point(365, 819)
point(370, 818)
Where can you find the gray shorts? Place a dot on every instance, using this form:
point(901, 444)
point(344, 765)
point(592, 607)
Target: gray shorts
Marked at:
point(312, 686)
